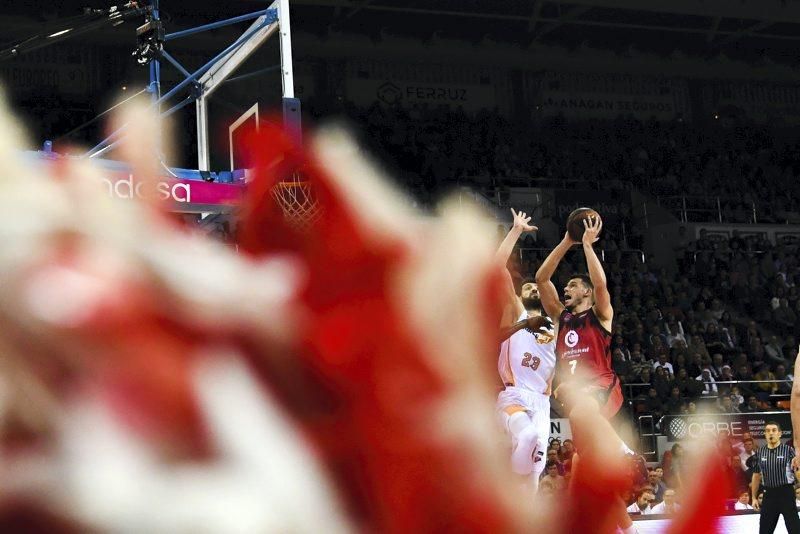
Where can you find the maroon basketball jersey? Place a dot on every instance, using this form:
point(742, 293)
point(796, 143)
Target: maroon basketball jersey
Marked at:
point(584, 347)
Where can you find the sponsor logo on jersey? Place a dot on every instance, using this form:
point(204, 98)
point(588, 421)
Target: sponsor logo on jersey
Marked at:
point(544, 339)
point(571, 339)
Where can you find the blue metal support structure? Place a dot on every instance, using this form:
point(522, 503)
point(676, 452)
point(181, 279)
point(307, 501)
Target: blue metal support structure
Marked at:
point(175, 63)
point(155, 64)
point(207, 78)
point(189, 79)
point(215, 25)
point(202, 70)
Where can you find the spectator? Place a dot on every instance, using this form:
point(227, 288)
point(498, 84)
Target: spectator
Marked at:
point(552, 459)
point(662, 382)
point(657, 484)
point(643, 502)
point(743, 503)
point(551, 481)
point(725, 405)
point(646, 376)
point(662, 362)
point(784, 316)
point(638, 365)
point(674, 402)
point(653, 401)
point(567, 453)
point(709, 384)
point(668, 506)
point(698, 346)
point(716, 340)
point(675, 333)
point(737, 397)
point(766, 388)
point(727, 374)
point(752, 405)
point(657, 338)
point(696, 365)
point(620, 365)
point(774, 351)
point(688, 386)
point(748, 450)
point(783, 388)
point(672, 464)
point(789, 348)
point(717, 363)
point(744, 375)
point(734, 471)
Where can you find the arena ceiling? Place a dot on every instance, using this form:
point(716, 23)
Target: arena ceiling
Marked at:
point(741, 29)
point(746, 29)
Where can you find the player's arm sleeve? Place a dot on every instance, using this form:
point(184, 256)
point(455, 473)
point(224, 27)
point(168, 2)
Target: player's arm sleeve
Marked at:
point(602, 298)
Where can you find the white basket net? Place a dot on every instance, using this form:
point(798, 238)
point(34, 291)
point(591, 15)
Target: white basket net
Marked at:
point(298, 202)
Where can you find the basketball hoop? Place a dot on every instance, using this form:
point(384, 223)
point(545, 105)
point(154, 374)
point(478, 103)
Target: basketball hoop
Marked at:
point(298, 202)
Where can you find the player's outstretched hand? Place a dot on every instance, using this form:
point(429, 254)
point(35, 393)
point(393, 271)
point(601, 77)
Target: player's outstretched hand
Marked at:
point(522, 221)
point(545, 326)
point(593, 226)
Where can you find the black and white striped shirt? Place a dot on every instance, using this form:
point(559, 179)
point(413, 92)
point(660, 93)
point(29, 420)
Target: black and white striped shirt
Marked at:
point(775, 465)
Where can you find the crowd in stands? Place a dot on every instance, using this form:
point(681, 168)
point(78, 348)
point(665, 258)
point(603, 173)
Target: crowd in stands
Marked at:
point(662, 492)
point(435, 148)
point(727, 313)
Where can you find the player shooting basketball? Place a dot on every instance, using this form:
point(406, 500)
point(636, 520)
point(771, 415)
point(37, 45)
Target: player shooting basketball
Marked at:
point(526, 365)
point(584, 321)
point(584, 336)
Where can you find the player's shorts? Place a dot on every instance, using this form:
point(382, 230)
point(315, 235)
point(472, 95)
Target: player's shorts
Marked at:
point(537, 406)
point(609, 398)
point(530, 400)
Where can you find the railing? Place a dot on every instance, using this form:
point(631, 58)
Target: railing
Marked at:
point(638, 252)
point(691, 208)
point(746, 252)
point(652, 435)
point(630, 387)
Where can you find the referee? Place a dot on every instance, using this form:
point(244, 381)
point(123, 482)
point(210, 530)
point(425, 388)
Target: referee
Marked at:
point(774, 468)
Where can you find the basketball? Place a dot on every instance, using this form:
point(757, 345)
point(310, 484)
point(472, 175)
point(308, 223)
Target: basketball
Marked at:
point(575, 222)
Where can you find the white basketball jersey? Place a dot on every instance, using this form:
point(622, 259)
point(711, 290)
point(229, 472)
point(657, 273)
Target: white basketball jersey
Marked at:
point(528, 360)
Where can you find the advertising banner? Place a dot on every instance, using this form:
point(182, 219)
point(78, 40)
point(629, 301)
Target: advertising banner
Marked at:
point(406, 84)
point(680, 427)
point(607, 96)
point(403, 92)
point(67, 69)
point(184, 190)
point(560, 429)
point(758, 101)
point(185, 195)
